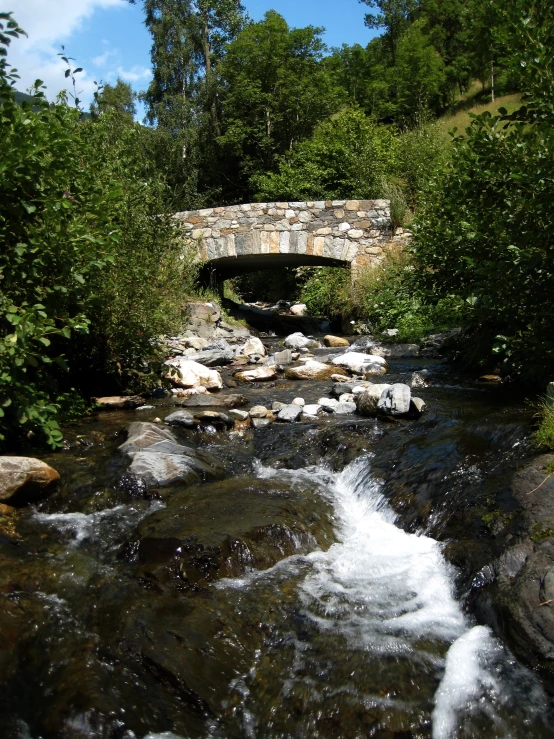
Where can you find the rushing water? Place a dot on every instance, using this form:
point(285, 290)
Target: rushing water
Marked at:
point(133, 617)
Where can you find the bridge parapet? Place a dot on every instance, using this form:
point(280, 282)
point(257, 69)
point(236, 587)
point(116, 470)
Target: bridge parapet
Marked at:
point(236, 238)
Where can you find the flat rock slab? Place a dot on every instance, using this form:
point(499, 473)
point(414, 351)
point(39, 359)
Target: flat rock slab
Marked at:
point(345, 409)
point(289, 413)
point(360, 363)
point(312, 370)
point(25, 480)
point(260, 374)
point(117, 402)
point(180, 418)
point(214, 401)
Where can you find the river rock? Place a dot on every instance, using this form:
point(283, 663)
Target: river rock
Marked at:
point(417, 407)
point(396, 351)
point(215, 401)
point(395, 400)
point(360, 363)
point(214, 418)
point(187, 373)
point(368, 401)
point(180, 418)
point(215, 355)
point(335, 341)
point(276, 405)
point(346, 398)
point(284, 357)
point(418, 381)
point(252, 347)
point(238, 415)
point(258, 411)
point(25, 480)
point(311, 370)
point(260, 423)
point(328, 404)
point(311, 410)
point(155, 470)
point(118, 402)
point(158, 459)
point(300, 309)
point(289, 413)
point(343, 409)
point(299, 341)
point(260, 374)
point(299, 401)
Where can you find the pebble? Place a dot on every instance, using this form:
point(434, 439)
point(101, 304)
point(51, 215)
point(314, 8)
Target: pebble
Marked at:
point(299, 401)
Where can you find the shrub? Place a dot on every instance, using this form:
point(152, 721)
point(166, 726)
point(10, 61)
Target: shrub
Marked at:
point(326, 291)
point(385, 295)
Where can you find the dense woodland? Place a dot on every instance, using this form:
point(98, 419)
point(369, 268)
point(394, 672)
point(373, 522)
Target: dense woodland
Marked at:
point(90, 267)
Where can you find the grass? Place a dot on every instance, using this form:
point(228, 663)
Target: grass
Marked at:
point(544, 434)
point(460, 118)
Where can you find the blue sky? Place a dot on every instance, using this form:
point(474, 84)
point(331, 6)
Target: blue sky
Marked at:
point(108, 37)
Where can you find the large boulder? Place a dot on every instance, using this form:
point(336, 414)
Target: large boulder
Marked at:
point(300, 309)
point(253, 346)
point(299, 341)
point(311, 370)
point(25, 480)
point(217, 354)
point(335, 341)
point(395, 400)
point(158, 459)
point(360, 363)
point(260, 374)
point(186, 373)
point(368, 401)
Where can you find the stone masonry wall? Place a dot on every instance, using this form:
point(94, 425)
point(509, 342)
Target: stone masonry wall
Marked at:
point(347, 231)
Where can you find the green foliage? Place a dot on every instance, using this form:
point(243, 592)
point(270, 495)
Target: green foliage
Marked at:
point(484, 233)
point(90, 267)
point(348, 156)
point(119, 97)
point(326, 291)
point(275, 92)
point(543, 436)
point(385, 296)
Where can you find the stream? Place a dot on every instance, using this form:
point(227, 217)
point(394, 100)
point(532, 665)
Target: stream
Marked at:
point(322, 588)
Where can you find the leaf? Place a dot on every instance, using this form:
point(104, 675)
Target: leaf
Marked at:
point(28, 207)
point(67, 71)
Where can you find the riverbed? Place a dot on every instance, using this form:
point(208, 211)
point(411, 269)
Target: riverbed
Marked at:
point(323, 587)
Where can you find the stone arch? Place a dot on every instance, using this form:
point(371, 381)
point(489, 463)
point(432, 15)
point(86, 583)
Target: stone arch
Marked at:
point(234, 239)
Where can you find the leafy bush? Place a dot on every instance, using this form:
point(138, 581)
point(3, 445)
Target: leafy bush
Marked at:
point(485, 230)
point(348, 156)
point(90, 267)
point(326, 291)
point(385, 296)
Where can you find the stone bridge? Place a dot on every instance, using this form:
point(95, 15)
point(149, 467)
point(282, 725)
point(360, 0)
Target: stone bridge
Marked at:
point(235, 239)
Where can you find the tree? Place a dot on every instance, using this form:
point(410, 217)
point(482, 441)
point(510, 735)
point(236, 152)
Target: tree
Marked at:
point(119, 98)
point(394, 17)
point(348, 157)
point(419, 73)
point(275, 91)
point(485, 233)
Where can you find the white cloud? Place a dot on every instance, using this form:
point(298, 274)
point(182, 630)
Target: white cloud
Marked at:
point(102, 59)
point(50, 23)
point(135, 74)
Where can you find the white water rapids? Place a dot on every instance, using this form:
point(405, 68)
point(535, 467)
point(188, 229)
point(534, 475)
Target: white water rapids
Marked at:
point(390, 593)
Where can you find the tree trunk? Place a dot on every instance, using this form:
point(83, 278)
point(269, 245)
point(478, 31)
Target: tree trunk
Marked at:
point(492, 81)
